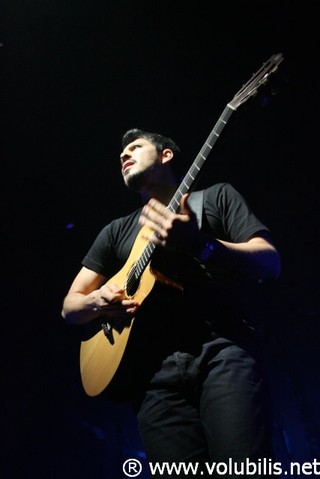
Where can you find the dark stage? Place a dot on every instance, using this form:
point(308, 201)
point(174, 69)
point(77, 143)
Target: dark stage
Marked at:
point(76, 75)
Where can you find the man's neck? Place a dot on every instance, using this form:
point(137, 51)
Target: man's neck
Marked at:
point(163, 193)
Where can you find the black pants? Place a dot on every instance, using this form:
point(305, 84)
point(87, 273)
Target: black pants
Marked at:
point(208, 408)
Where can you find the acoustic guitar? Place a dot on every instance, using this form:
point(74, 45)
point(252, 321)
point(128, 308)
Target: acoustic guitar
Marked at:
point(102, 352)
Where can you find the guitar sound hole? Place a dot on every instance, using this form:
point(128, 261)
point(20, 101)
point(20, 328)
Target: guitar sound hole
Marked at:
point(132, 286)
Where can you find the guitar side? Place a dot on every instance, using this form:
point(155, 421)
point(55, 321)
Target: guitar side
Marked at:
point(99, 357)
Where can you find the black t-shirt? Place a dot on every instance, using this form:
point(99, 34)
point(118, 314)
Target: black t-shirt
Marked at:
point(171, 319)
point(227, 216)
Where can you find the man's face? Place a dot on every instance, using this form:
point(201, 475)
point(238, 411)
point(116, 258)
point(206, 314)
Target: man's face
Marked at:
point(139, 163)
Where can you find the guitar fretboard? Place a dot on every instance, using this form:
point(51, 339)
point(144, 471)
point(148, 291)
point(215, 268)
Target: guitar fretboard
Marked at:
point(196, 167)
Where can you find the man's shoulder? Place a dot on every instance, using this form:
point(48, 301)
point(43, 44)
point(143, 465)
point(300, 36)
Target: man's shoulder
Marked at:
point(216, 189)
point(126, 218)
point(121, 222)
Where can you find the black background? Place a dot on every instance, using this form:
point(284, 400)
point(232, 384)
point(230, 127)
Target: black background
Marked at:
point(75, 75)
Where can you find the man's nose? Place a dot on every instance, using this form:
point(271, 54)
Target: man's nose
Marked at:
point(124, 156)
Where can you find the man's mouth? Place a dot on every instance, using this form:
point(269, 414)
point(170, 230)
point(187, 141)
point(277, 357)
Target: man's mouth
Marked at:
point(126, 165)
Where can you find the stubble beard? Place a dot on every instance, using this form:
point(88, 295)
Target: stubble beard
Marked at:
point(135, 181)
point(139, 180)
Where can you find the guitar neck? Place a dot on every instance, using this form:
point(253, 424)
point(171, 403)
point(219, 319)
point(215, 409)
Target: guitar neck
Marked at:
point(194, 171)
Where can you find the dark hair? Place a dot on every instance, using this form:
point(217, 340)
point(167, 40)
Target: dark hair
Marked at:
point(159, 141)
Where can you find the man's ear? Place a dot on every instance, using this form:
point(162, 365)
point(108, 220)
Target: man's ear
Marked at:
point(167, 155)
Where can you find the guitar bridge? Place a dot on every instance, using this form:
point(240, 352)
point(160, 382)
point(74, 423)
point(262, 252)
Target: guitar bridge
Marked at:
point(107, 329)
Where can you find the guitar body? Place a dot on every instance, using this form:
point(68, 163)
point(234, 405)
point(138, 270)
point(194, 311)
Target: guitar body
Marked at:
point(99, 358)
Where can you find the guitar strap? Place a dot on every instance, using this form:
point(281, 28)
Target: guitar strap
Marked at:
point(195, 202)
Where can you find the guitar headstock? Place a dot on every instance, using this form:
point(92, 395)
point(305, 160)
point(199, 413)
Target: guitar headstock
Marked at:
point(259, 78)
